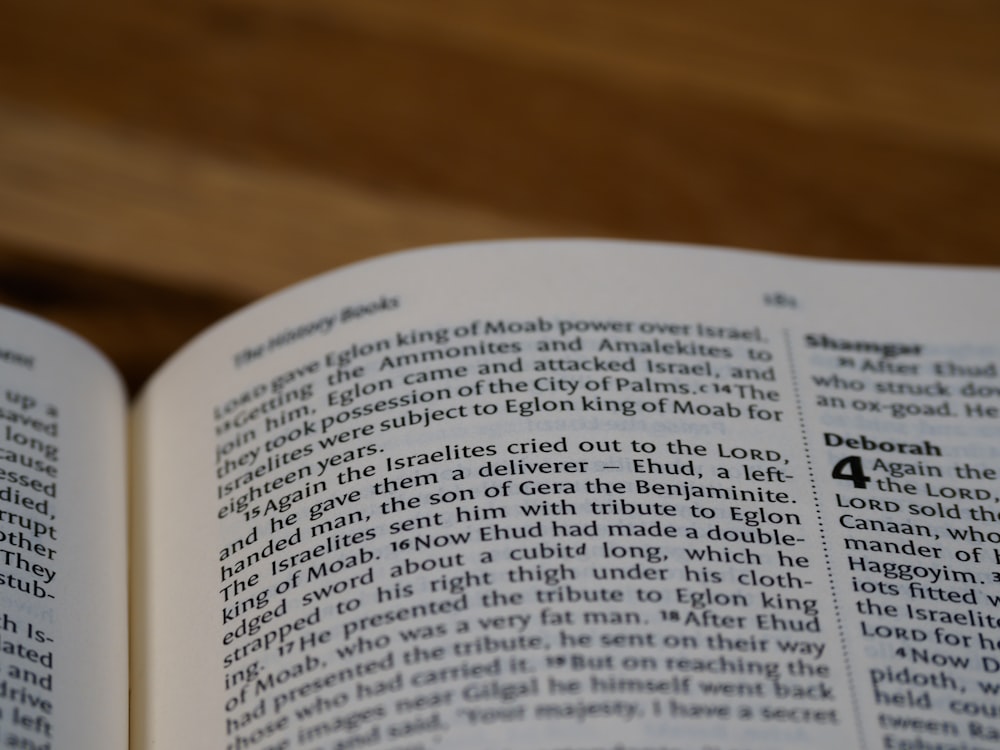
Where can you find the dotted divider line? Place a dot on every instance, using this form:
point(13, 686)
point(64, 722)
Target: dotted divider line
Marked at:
point(822, 535)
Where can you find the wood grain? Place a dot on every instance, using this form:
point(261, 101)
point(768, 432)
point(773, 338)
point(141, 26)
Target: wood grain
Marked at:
point(224, 147)
point(182, 217)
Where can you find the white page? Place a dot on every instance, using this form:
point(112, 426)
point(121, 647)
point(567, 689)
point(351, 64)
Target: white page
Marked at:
point(720, 549)
point(63, 541)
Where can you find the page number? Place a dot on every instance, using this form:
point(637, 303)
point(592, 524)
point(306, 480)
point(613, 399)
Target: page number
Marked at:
point(780, 299)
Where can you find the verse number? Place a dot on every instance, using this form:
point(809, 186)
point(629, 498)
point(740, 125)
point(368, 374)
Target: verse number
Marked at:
point(780, 299)
point(851, 470)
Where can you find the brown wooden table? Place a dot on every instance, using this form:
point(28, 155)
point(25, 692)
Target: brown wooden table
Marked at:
point(162, 163)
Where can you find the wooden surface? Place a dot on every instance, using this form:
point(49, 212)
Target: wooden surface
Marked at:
point(161, 163)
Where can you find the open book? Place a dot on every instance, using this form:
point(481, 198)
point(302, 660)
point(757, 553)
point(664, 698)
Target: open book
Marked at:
point(538, 494)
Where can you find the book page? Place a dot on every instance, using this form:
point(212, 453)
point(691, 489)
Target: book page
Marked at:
point(578, 494)
point(63, 542)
